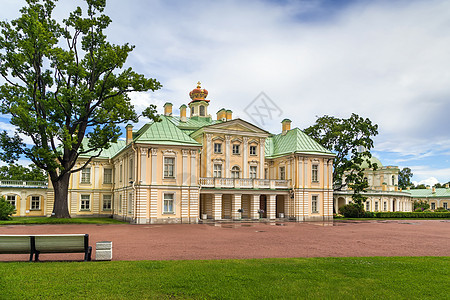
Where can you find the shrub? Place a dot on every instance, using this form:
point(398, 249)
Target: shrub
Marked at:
point(6, 209)
point(440, 209)
point(413, 215)
point(418, 210)
point(421, 204)
point(351, 211)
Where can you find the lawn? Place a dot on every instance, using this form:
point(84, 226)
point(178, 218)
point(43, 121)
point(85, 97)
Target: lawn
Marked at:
point(49, 220)
point(285, 278)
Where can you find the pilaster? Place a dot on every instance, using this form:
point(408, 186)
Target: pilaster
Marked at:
point(227, 156)
point(154, 165)
point(271, 206)
point(245, 158)
point(208, 154)
point(236, 204)
point(144, 152)
point(254, 206)
point(217, 207)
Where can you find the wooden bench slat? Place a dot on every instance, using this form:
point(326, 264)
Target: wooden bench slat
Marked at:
point(55, 244)
point(15, 244)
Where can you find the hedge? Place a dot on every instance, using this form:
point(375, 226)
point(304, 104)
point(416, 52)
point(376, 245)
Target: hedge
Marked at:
point(412, 215)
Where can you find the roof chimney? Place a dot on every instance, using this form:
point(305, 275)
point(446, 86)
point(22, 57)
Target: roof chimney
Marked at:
point(129, 136)
point(229, 115)
point(222, 115)
point(168, 109)
point(285, 126)
point(183, 113)
point(433, 190)
point(446, 185)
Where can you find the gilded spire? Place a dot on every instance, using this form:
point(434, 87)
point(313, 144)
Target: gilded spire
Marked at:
point(199, 85)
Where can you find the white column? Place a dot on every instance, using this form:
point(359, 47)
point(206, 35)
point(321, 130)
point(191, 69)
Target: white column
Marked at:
point(96, 179)
point(193, 167)
point(154, 164)
point(245, 158)
point(271, 206)
point(217, 207)
point(184, 205)
point(300, 172)
point(305, 172)
point(153, 209)
point(325, 173)
point(236, 204)
point(254, 206)
point(208, 154)
point(194, 198)
point(144, 165)
point(184, 170)
point(262, 146)
point(227, 156)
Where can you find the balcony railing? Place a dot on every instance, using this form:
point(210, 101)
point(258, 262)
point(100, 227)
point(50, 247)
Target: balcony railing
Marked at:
point(244, 183)
point(23, 184)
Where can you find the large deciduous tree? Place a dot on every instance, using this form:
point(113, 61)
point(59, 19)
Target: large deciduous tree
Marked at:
point(64, 82)
point(351, 140)
point(18, 172)
point(404, 178)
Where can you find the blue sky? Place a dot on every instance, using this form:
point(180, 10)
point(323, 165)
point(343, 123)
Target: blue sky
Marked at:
point(385, 60)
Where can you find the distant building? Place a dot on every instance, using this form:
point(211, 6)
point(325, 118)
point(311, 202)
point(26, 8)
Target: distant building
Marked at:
point(436, 197)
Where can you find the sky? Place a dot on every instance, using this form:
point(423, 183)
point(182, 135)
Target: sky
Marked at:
point(383, 60)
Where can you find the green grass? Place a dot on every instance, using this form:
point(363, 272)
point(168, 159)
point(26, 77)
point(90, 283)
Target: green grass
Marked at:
point(290, 278)
point(49, 220)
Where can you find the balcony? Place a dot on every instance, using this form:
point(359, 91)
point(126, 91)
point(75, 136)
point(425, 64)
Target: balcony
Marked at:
point(244, 183)
point(24, 184)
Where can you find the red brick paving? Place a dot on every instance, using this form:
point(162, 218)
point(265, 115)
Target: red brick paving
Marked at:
point(254, 240)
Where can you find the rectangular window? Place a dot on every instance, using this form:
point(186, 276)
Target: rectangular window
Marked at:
point(12, 200)
point(107, 176)
point(385, 206)
point(266, 173)
point(120, 173)
point(445, 205)
point(253, 170)
point(169, 167)
point(433, 206)
point(168, 203)
point(35, 203)
point(282, 173)
point(367, 205)
point(85, 202)
point(130, 202)
point(236, 149)
point(315, 173)
point(86, 175)
point(217, 148)
point(252, 150)
point(120, 203)
point(107, 202)
point(217, 170)
point(376, 205)
point(314, 204)
point(131, 169)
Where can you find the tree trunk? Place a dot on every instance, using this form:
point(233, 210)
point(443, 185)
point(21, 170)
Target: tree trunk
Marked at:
point(61, 204)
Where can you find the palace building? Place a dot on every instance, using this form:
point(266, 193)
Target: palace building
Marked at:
point(193, 167)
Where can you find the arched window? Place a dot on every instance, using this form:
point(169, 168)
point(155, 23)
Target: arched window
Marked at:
point(235, 171)
point(202, 110)
point(192, 110)
point(393, 180)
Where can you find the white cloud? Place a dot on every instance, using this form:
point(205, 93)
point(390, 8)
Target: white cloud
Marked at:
point(431, 181)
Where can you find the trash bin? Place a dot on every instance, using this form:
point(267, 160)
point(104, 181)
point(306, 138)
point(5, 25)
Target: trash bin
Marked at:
point(204, 216)
point(103, 250)
point(281, 215)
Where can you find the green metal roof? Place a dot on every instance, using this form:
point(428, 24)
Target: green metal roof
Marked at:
point(193, 123)
point(294, 141)
point(428, 193)
point(106, 153)
point(164, 133)
point(373, 160)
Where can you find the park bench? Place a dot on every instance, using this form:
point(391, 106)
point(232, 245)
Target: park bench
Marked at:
point(45, 243)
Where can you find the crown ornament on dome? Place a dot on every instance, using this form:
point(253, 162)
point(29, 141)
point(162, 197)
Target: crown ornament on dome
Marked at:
point(198, 94)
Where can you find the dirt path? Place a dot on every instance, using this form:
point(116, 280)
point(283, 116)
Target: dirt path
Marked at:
point(255, 240)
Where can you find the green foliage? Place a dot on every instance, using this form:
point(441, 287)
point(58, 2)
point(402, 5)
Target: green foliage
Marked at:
point(272, 278)
point(6, 209)
point(352, 210)
point(440, 209)
point(49, 220)
point(18, 172)
point(64, 82)
point(423, 205)
point(404, 178)
point(418, 210)
point(346, 138)
point(427, 214)
point(419, 186)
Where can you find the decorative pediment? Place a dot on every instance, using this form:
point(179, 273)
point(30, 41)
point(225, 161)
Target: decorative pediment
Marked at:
point(218, 138)
point(237, 125)
point(236, 140)
point(169, 152)
point(253, 141)
point(253, 162)
point(218, 160)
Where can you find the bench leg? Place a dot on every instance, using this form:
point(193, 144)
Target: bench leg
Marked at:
point(36, 256)
point(88, 254)
point(31, 256)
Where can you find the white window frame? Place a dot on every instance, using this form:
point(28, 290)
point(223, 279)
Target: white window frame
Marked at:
point(12, 202)
point(120, 173)
point(253, 150)
point(376, 206)
point(217, 170)
point(130, 203)
point(104, 201)
point(236, 149)
point(107, 176)
point(266, 173)
point(85, 200)
point(315, 202)
point(167, 195)
point(385, 206)
point(120, 203)
point(86, 175)
point(433, 205)
point(218, 148)
point(131, 168)
point(282, 173)
point(315, 173)
point(166, 172)
point(367, 206)
point(33, 201)
point(253, 173)
point(202, 111)
point(393, 179)
point(445, 205)
point(235, 170)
